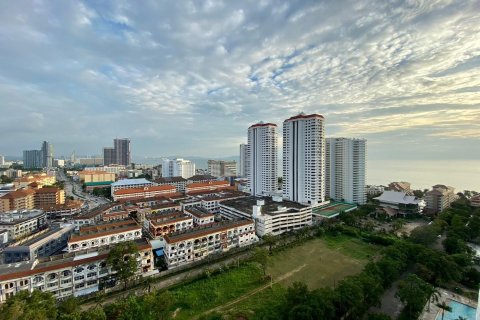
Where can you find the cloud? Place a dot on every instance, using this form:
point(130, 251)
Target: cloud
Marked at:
point(189, 77)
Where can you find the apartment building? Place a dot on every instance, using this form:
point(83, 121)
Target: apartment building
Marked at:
point(71, 274)
point(440, 198)
point(23, 199)
point(262, 159)
point(221, 168)
point(45, 244)
point(304, 159)
point(144, 192)
point(61, 211)
point(346, 169)
point(163, 223)
point(401, 186)
point(242, 164)
point(96, 215)
point(196, 244)
point(87, 176)
point(130, 184)
point(200, 215)
point(89, 237)
point(179, 182)
point(49, 196)
point(22, 223)
point(206, 186)
point(272, 215)
point(178, 168)
point(210, 201)
point(42, 179)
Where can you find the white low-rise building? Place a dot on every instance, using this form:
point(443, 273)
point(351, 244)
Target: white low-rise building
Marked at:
point(22, 223)
point(198, 243)
point(401, 202)
point(200, 216)
point(272, 215)
point(95, 236)
point(72, 274)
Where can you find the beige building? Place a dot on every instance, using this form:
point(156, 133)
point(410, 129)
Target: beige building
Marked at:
point(23, 199)
point(220, 168)
point(207, 186)
point(87, 176)
point(144, 192)
point(440, 198)
point(41, 179)
point(49, 196)
point(401, 186)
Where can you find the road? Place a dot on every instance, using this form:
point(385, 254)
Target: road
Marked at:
point(74, 189)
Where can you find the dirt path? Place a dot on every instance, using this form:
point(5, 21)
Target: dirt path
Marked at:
point(251, 293)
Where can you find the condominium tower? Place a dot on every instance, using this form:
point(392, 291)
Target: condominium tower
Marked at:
point(262, 159)
point(345, 169)
point(122, 151)
point(42, 158)
point(242, 164)
point(221, 168)
point(304, 159)
point(178, 168)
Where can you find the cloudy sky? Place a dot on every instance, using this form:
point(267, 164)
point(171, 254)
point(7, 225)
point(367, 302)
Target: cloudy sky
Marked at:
point(189, 77)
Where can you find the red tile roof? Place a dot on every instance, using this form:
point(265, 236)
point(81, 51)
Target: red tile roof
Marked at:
point(263, 125)
point(146, 189)
point(305, 116)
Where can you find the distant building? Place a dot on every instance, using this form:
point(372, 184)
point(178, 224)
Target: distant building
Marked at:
point(475, 201)
point(262, 159)
point(59, 163)
point(87, 176)
point(178, 168)
point(49, 196)
point(47, 155)
point(201, 178)
point(440, 198)
point(401, 186)
point(272, 215)
point(32, 159)
point(220, 168)
point(2, 160)
point(143, 192)
point(129, 184)
point(242, 164)
point(206, 186)
point(345, 169)
point(92, 161)
point(122, 151)
point(108, 156)
point(22, 199)
point(375, 190)
point(13, 173)
point(304, 159)
point(179, 182)
point(401, 202)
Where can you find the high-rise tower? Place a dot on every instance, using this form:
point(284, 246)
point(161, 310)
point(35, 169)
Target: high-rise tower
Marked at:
point(262, 159)
point(304, 159)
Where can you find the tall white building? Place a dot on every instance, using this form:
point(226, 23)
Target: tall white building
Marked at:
point(178, 168)
point(242, 164)
point(262, 154)
point(345, 169)
point(2, 160)
point(304, 159)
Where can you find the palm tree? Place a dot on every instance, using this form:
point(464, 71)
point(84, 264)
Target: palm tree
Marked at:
point(444, 307)
point(433, 295)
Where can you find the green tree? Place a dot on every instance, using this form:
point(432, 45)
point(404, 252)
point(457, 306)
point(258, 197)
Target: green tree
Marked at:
point(69, 309)
point(95, 313)
point(413, 292)
point(261, 257)
point(270, 241)
point(444, 307)
point(424, 235)
point(122, 259)
point(24, 305)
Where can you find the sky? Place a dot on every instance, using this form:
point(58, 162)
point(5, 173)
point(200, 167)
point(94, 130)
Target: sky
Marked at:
point(189, 77)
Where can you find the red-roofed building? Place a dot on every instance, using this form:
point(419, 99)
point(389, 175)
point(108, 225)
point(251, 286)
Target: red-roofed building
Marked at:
point(144, 192)
point(207, 186)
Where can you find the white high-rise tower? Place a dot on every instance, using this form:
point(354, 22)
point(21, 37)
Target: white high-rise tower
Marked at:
point(304, 159)
point(262, 152)
point(345, 167)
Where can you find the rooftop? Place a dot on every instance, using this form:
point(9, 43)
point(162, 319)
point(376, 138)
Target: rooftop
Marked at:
point(56, 228)
point(145, 189)
point(128, 182)
point(262, 124)
point(205, 230)
point(14, 217)
point(199, 212)
point(173, 216)
point(104, 229)
point(302, 116)
point(201, 177)
point(397, 197)
point(270, 207)
point(212, 183)
point(170, 180)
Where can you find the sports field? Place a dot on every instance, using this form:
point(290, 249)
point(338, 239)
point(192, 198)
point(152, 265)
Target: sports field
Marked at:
point(321, 262)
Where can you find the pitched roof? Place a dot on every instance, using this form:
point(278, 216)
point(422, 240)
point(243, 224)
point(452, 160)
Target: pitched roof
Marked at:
point(127, 182)
point(302, 116)
point(145, 189)
point(397, 197)
point(207, 184)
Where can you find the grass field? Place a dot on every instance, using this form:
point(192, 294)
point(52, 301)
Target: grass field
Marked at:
point(318, 263)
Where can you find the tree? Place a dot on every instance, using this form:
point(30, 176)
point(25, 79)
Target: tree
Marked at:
point(122, 259)
point(425, 235)
point(69, 309)
point(270, 240)
point(147, 283)
point(444, 307)
point(24, 305)
point(260, 256)
point(95, 313)
point(414, 292)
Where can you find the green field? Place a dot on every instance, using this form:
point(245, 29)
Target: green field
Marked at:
point(317, 262)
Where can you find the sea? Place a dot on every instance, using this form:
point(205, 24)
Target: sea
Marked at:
point(423, 174)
